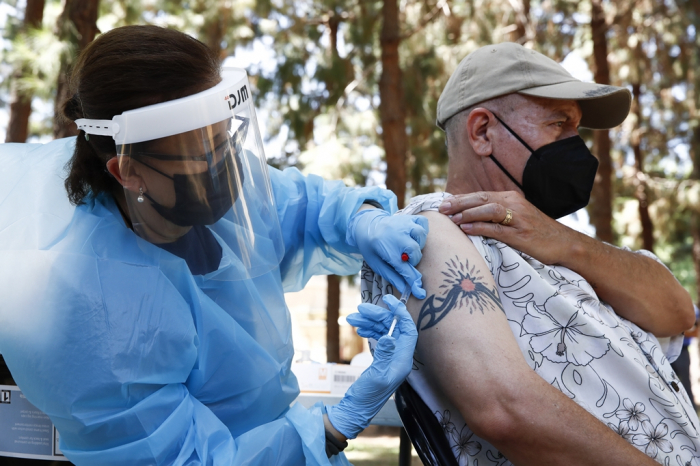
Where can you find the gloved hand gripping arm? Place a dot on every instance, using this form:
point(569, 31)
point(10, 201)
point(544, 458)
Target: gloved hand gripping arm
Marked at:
point(393, 360)
point(383, 239)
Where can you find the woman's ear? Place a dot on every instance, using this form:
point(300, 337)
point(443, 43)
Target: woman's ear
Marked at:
point(479, 121)
point(129, 180)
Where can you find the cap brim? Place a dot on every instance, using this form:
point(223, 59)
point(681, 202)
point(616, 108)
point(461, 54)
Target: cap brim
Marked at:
point(602, 106)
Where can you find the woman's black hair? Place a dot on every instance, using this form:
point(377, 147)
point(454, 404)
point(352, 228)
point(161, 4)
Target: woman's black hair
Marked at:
point(127, 68)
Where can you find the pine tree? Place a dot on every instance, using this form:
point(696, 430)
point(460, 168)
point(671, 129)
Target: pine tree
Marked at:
point(77, 26)
point(21, 101)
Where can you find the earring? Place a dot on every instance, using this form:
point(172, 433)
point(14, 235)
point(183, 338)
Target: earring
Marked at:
point(140, 198)
point(87, 137)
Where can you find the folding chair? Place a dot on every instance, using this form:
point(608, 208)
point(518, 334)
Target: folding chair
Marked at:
point(424, 430)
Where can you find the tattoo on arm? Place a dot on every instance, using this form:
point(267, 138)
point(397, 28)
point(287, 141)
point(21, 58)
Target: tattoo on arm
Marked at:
point(462, 287)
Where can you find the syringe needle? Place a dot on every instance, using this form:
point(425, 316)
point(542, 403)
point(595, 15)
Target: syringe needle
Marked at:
point(404, 298)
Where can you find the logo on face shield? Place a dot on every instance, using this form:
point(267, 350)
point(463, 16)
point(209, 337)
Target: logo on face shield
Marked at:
point(237, 98)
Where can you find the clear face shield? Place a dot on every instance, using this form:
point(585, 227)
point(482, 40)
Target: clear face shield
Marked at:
point(196, 182)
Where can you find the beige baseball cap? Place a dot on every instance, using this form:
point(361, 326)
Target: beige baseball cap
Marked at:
point(501, 69)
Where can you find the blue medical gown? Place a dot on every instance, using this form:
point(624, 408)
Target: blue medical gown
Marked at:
point(136, 360)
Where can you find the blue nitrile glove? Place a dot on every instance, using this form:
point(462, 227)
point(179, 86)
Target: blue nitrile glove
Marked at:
point(382, 239)
point(393, 360)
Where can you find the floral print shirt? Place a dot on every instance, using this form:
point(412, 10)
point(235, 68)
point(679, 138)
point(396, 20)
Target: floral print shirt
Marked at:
point(605, 363)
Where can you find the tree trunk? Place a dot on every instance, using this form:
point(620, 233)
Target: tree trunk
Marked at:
point(600, 207)
point(21, 101)
point(333, 26)
point(214, 35)
point(20, 109)
point(522, 21)
point(77, 25)
point(695, 218)
point(215, 27)
point(641, 186)
point(693, 105)
point(333, 294)
point(34, 14)
point(391, 109)
point(332, 314)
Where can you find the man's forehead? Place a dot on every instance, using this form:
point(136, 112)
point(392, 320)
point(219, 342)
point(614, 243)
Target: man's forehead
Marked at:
point(543, 107)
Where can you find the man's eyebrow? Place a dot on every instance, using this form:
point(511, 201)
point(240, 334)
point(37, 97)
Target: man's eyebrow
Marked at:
point(560, 114)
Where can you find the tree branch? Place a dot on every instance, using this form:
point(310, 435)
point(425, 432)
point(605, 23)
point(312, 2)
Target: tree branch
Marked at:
point(324, 19)
point(348, 89)
point(439, 6)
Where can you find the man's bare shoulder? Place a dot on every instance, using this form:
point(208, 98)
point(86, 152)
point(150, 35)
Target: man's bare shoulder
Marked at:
point(455, 276)
point(444, 242)
point(441, 225)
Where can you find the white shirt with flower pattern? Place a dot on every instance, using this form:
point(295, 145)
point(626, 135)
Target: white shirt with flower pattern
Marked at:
point(605, 363)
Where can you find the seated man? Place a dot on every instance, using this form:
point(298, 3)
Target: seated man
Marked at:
point(537, 344)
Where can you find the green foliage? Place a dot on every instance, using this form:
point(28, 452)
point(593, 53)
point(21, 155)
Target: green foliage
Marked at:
point(32, 56)
point(36, 53)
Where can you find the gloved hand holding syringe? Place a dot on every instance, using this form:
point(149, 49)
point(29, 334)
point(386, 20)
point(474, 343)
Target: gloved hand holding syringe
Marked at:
point(392, 362)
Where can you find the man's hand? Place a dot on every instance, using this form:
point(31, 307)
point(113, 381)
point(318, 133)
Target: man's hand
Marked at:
point(529, 230)
point(637, 287)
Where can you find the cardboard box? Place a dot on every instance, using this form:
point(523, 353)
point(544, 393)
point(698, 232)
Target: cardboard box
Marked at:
point(332, 379)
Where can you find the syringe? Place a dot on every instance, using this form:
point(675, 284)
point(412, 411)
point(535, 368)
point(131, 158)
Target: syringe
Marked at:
point(404, 298)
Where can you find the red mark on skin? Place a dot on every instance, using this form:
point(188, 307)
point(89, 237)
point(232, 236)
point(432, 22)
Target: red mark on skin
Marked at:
point(467, 285)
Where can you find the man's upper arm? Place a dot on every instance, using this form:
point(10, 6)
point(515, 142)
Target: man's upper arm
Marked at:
point(464, 338)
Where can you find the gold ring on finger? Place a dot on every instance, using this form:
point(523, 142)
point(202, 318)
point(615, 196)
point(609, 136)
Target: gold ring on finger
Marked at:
point(509, 217)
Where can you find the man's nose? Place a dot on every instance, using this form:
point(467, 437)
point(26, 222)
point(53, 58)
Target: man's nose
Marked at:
point(569, 132)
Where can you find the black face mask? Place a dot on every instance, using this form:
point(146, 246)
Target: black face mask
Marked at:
point(189, 208)
point(558, 177)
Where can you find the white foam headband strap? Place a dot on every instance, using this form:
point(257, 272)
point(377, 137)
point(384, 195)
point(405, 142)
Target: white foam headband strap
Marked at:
point(98, 127)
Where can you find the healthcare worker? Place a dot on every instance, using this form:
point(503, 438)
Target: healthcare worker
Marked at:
point(144, 312)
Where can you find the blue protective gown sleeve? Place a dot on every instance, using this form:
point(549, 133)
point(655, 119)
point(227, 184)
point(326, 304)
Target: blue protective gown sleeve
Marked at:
point(314, 216)
point(134, 360)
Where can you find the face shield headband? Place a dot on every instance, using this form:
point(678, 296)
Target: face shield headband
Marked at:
point(558, 177)
point(196, 182)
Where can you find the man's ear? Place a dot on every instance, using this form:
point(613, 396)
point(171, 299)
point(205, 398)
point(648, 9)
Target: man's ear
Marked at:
point(130, 181)
point(478, 123)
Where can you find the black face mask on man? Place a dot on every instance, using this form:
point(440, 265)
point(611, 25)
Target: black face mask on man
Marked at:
point(558, 177)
